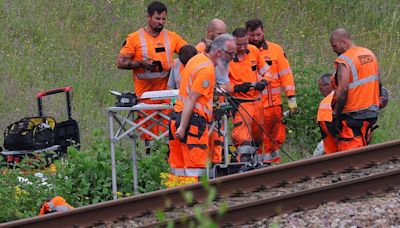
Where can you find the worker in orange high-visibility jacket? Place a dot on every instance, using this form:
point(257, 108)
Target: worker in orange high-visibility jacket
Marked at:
point(325, 114)
point(281, 81)
point(215, 28)
point(357, 85)
point(55, 204)
point(188, 132)
point(175, 74)
point(148, 52)
point(247, 118)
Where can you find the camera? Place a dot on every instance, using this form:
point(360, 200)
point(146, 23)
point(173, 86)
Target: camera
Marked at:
point(157, 66)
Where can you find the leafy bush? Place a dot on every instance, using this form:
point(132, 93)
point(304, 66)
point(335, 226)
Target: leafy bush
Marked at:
point(82, 178)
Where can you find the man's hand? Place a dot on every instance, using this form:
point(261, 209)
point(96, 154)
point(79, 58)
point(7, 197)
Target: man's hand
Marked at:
point(180, 133)
point(337, 126)
point(292, 105)
point(260, 86)
point(147, 64)
point(244, 87)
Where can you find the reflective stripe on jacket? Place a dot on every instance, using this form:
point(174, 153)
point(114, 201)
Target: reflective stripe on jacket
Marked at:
point(247, 70)
point(56, 204)
point(325, 112)
point(282, 78)
point(198, 76)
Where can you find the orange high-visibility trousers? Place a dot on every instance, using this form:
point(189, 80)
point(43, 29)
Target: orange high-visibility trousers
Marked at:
point(216, 142)
point(276, 130)
point(353, 134)
point(189, 156)
point(247, 121)
point(330, 143)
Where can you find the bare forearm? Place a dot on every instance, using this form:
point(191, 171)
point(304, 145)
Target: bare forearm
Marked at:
point(343, 75)
point(341, 99)
point(128, 64)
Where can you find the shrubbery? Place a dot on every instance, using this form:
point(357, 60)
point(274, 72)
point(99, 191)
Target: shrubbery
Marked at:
point(82, 178)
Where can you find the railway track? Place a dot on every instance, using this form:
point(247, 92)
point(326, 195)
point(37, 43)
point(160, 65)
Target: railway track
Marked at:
point(328, 170)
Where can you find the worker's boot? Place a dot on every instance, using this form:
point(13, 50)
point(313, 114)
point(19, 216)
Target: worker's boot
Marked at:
point(245, 153)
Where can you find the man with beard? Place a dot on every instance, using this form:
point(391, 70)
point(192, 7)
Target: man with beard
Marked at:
point(357, 91)
point(282, 80)
point(148, 52)
point(246, 73)
point(215, 28)
point(188, 130)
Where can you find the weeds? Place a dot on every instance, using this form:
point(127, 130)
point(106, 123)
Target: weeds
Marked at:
point(51, 44)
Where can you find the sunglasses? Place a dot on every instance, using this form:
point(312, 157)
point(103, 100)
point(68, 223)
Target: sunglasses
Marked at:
point(231, 54)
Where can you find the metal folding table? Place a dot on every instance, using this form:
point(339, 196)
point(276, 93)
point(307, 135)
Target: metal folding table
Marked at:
point(128, 128)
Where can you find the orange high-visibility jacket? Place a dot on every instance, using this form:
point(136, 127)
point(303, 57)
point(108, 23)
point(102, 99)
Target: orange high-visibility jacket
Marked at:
point(325, 111)
point(144, 46)
point(56, 204)
point(175, 75)
point(247, 70)
point(363, 93)
point(199, 76)
point(282, 78)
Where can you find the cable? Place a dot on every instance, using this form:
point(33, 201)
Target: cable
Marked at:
point(244, 120)
point(230, 99)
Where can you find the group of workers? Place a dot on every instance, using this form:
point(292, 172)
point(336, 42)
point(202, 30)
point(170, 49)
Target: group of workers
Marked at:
point(353, 95)
point(253, 73)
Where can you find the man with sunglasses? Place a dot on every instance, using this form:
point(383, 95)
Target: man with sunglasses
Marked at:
point(246, 73)
point(188, 130)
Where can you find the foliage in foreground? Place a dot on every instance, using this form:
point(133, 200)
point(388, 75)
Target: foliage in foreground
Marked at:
point(82, 178)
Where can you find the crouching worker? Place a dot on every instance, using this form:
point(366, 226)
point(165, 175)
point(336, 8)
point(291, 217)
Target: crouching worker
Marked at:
point(325, 114)
point(188, 130)
point(55, 204)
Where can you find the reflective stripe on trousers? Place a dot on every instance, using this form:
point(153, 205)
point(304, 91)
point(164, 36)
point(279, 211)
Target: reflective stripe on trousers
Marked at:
point(268, 156)
point(192, 172)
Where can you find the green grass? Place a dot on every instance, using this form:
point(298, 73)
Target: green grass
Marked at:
point(49, 44)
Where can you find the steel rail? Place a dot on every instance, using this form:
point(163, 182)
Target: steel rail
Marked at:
point(248, 181)
point(250, 212)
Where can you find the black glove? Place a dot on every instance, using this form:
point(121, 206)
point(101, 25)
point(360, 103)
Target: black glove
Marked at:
point(244, 87)
point(260, 86)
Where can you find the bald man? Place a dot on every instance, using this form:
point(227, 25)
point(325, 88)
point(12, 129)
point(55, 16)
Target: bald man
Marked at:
point(357, 85)
point(215, 28)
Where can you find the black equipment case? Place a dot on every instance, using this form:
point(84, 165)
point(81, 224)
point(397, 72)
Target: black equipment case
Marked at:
point(66, 132)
